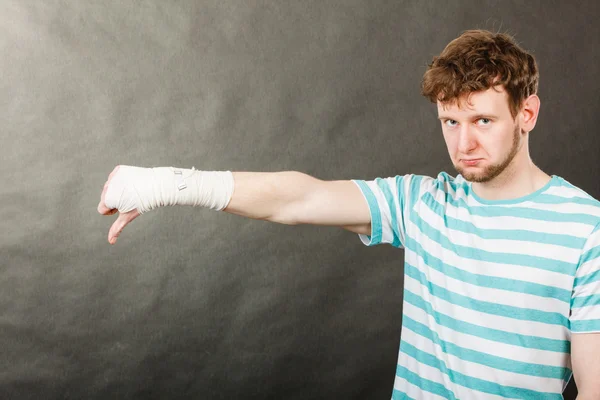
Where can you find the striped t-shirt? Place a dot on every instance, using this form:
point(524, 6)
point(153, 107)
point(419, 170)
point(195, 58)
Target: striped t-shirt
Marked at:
point(493, 290)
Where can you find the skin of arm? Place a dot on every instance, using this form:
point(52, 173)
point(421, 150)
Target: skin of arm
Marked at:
point(585, 360)
point(286, 197)
point(294, 198)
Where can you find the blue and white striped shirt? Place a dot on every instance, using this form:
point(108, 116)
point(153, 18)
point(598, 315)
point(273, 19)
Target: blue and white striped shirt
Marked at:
point(493, 290)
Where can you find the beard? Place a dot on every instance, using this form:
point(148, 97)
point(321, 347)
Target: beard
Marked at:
point(492, 171)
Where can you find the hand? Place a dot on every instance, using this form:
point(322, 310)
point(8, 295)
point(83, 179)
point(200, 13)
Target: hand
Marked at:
point(122, 220)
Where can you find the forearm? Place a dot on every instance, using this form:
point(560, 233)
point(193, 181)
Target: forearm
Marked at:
point(270, 196)
point(295, 198)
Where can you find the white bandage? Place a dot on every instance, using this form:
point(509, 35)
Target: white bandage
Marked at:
point(147, 188)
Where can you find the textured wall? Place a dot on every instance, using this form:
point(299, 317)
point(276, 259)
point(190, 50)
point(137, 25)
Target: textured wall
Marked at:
point(197, 304)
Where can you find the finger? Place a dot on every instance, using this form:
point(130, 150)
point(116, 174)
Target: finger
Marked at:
point(121, 222)
point(102, 208)
point(116, 229)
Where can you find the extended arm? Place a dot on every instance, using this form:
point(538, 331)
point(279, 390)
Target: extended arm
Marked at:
point(286, 197)
point(585, 359)
point(295, 198)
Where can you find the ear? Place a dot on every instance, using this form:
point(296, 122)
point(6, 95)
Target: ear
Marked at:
point(529, 112)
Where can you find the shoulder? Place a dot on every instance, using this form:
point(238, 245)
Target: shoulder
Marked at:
point(574, 200)
point(443, 182)
point(413, 187)
point(440, 187)
point(568, 190)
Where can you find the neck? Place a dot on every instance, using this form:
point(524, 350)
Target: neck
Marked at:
point(520, 178)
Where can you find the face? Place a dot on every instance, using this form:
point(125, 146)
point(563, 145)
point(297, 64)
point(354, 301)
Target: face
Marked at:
point(481, 135)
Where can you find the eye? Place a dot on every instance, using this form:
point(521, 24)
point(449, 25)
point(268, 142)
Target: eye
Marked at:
point(485, 121)
point(450, 122)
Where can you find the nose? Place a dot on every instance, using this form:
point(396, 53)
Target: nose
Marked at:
point(467, 141)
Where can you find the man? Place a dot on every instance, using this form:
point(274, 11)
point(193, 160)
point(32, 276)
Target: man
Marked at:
point(502, 269)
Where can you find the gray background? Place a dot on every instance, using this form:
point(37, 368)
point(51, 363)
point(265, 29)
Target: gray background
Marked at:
point(192, 303)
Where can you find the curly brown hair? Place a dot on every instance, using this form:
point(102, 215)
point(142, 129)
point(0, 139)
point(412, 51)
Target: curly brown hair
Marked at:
point(476, 61)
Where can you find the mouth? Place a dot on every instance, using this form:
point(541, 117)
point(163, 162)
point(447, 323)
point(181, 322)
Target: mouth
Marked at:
point(471, 162)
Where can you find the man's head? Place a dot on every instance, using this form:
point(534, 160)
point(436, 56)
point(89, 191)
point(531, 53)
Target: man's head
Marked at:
point(485, 88)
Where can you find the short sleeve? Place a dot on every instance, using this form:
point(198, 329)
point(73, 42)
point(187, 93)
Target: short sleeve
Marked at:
point(585, 300)
point(387, 199)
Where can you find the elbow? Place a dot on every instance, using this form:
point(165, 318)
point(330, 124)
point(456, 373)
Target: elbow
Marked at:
point(293, 205)
point(283, 218)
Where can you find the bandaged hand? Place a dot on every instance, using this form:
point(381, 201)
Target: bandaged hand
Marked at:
point(133, 191)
